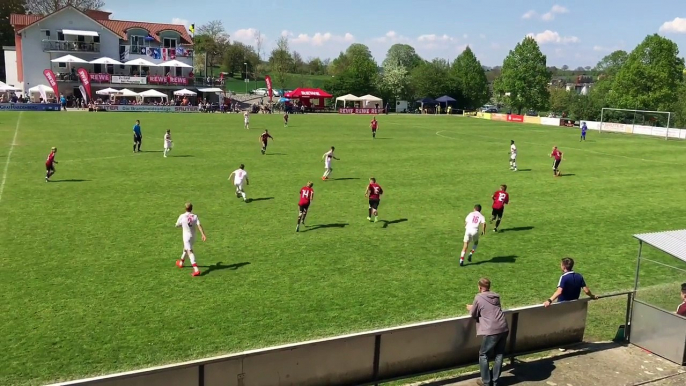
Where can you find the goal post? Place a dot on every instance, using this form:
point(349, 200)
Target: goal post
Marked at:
point(655, 123)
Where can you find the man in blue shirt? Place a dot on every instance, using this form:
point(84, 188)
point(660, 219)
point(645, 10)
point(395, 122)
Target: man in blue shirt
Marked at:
point(63, 102)
point(570, 285)
point(583, 131)
point(137, 136)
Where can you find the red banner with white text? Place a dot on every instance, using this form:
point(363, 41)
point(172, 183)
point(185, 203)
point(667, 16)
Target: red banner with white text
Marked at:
point(360, 111)
point(515, 118)
point(52, 81)
point(100, 78)
point(85, 80)
point(175, 80)
point(270, 91)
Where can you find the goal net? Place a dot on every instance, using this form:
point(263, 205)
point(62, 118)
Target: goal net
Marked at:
point(655, 123)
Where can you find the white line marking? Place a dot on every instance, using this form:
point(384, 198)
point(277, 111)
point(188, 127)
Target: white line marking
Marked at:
point(9, 156)
point(438, 133)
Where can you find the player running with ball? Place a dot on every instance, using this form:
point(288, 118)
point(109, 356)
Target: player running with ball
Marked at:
point(328, 157)
point(374, 193)
point(189, 222)
point(240, 177)
point(306, 197)
point(475, 225)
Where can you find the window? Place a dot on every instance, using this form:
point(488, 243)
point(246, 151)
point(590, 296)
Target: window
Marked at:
point(97, 68)
point(62, 65)
point(60, 36)
point(96, 39)
point(169, 43)
point(45, 33)
point(80, 39)
point(110, 69)
point(177, 70)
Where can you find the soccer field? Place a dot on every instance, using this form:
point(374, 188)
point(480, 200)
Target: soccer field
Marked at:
point(88, 274)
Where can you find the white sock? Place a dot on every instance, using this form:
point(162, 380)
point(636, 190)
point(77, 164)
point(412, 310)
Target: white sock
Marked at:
point(243, 194)
point(183, 256)
point(514, 165)
point(193, 263)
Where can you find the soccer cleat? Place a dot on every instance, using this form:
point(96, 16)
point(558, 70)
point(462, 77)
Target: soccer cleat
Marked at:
point(469, 258)
point(495, 230)
point(179, 263)
point(297, 228)
point(461, 262)
point(376, 219)
point(196, 273)
point(369, 219)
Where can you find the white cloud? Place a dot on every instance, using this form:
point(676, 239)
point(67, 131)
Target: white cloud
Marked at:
point(318, 39)
point(248, 36)
point(180, 21)
point(530, 14)
point(482, 36)
point(465, 36)
point(548, 16)
point(678, 25)
point(286, 33)
point(392, 37)
point(552, 37)
point(435, 38)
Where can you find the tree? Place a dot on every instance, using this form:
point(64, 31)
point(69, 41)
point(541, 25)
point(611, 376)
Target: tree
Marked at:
point(394, 83)
point(403, 55)
point(315, 66)
point(355, 71)
point(235, 57)
point(524, 78)
point(8, 7)
point(470, 79)
point(299, 66)
point(588, 68)
point(281, 61)
point(45, 7)
point(560, 100)
point(565, 67)
point(610, 64)
point(650, 77)
point(429, 79)
point(355, 51)
point(259, 45)
point(212, 40)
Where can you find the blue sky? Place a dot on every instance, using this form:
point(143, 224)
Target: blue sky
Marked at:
point(575, 33)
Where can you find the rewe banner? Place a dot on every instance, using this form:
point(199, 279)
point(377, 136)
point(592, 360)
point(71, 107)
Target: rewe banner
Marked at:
point(85, 81)
point(360, 111)
point(270, 91)
point(52, 81)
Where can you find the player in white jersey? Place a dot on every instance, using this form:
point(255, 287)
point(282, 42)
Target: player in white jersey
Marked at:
point(513, 156)
point(189, 222)
point(240, 179)
point(167, 143)
point(475, 225)
point(328, 157)
point(246, 120)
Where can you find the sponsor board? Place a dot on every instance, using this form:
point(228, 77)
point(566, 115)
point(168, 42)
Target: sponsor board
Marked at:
point(30, 106)
point(144, 108)
point(499, 117)
point(533, 120)
point(129, 79)
point(360, 111)
point(515, 118)
point(551, 121)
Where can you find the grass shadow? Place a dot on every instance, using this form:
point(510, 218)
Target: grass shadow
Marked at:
point(523, 170)
point(183, 156)
point(382, 138)
point(345, 178)
point(250, 200)
point(498, 260)
point(386, 223)
point(151, 151)
point(567, 175)
point(69, 180)
point(276, 154)
point(219, 267)
point(324, 226)
point(517, 229)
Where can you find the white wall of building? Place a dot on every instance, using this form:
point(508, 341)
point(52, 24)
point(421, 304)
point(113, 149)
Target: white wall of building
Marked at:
point(35, 60)
point(11, 69)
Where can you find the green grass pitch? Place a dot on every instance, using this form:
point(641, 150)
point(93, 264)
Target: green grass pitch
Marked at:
point(88, 275)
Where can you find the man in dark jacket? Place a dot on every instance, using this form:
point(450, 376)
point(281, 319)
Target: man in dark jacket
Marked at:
point(491, 324)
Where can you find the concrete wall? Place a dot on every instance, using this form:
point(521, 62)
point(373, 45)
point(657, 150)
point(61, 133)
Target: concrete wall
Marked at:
point(35, 60)
point(11, 68)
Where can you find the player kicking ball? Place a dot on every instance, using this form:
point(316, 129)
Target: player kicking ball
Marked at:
point(328, 158)
point(50, 164)
point(240, 178)
point(513, 156)
point(306, 197)
point(500, 199)
point(264, 138)
point(167, 143)
point(475, 225)
point(374, 193)
point(189, 222)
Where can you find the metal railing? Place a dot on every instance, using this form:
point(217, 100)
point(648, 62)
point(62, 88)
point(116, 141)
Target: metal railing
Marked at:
point(69, 46)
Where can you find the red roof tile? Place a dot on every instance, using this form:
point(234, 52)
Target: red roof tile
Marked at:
point(119, 27)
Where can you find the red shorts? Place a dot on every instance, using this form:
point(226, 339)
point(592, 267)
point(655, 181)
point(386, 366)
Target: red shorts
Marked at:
point(49, 167)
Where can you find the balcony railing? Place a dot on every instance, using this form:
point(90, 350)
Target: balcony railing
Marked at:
point(70, 46)
point(155, 52)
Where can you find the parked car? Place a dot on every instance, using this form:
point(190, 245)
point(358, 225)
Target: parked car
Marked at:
point(491, 110)
point(532, 113)
point(260, 92)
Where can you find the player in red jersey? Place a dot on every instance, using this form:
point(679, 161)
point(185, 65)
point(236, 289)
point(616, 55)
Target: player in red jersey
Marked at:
point(374, 124)
point(374, 193)
point(50, 164)
point(285, 120)
point(500, 199)
point(557, 155)
point(264, 138)
point(306, 197)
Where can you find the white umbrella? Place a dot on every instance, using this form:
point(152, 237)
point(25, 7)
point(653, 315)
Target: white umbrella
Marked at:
point(175, 63)
point(213, 89)
point(126, 92)
point(140, 62)
point(6, 87)
point(152, 94)
point(105, 60)
point(107, 91)
point(41, 88)
point(68, 59)
point(185, 92)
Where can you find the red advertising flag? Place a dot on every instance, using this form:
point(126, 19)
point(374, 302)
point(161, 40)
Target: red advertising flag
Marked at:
point(50, 76)
point(85, 80)
point(268, 81)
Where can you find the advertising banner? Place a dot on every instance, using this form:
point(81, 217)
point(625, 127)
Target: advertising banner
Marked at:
point(30, 107)
point(360, 111)
point(552, 122)
point(178, 80)
point(85, 81)
point(534, 120)
point(52, 81)
point(129, 79)
point(486, 116)
point(270, 91)
point(151, 108)
point(515, 118)
point(499, 117)
point(615, 127)
point(471, 114)
point(100, 78)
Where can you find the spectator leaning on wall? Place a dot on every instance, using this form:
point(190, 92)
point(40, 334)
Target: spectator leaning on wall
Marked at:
point(570, 285)
point(681, 310)
point(491, 324)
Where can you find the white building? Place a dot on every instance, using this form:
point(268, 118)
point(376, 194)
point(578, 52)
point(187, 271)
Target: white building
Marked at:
point(92, 35)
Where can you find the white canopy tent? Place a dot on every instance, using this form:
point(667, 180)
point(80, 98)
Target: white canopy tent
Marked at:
point(39, 89)
point(68, 59)
point(140, 63)
point(105, 60)
point(211, 89)
point(126, 93)
point(107, 91)
point(153, 94)
point(185, 92)
point(371, 99)
point(174, 63)
point(346, 98)
point(4, 87)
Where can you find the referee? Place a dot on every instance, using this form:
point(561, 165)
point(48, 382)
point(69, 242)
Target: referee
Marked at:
point(570, 285)
point(137, 137)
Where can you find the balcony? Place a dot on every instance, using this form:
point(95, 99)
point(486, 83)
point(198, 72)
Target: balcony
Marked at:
point(69, 46)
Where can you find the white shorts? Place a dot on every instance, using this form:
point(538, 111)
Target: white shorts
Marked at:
point(188, 244)
point(167, 145)
point(239, 187)
point(471, 235)
point(513, 157)
point(327, 164)
point(246, 122)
